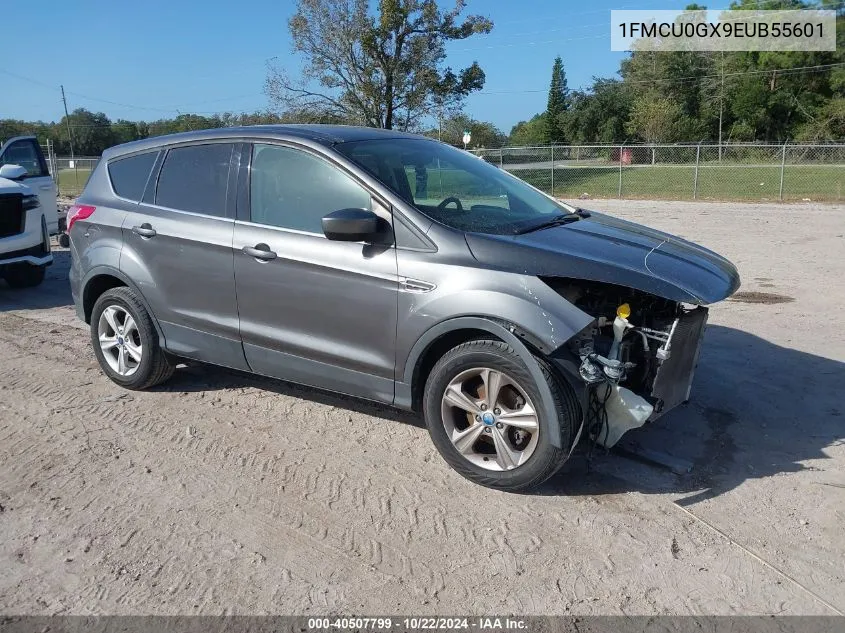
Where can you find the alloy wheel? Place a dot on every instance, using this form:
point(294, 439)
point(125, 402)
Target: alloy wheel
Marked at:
point(120, 340)
point(490, 419)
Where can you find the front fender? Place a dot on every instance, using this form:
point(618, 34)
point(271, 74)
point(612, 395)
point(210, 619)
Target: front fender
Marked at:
point(533, 311)
point(540, 315)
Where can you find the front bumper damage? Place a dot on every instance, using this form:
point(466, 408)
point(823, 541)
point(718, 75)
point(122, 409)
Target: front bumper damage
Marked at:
point(611, 405)
point(673, 381)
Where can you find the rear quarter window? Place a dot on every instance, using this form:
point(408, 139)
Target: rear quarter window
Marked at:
point(129, 175)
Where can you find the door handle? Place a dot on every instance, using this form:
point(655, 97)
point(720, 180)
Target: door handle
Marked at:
point(260, 251)
point(145, 230)
point(46, 187)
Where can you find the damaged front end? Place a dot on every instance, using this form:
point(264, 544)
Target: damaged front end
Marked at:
point(637, 357)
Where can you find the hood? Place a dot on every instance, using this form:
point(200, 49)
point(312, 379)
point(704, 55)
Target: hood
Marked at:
point(610, 250)
point(11, 186)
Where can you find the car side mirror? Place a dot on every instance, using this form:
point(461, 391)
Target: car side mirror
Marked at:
point(12, 172)
point(351, 225)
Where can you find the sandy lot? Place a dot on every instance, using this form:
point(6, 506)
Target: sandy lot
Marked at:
point(225, 493)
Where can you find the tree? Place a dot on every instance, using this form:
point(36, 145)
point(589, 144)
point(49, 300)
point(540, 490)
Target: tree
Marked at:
point(92, 133)
point(382, 69)
point(655, 120)
point(558, 103)
point(828, 123)
point(650, 75)
point(484, 134)
point(598, 115)
point(12, 127)
point(531, 132)
point(124, 131)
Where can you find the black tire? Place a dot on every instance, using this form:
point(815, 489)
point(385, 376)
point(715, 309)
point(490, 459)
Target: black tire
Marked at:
point(546, 459)
point(23, 275)
point(154, 367)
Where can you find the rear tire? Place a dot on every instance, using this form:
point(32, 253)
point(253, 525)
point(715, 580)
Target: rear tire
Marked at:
point(128, 351)
point(513, 450)
point(23, 275)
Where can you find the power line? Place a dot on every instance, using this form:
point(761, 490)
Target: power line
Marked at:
point(623, 82)
point(781, 71)
point(29, 79)
point(579, 27)
point(176, 108)
point(166, 109)
point(123, 105)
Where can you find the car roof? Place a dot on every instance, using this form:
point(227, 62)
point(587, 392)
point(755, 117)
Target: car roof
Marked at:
point(322, 134)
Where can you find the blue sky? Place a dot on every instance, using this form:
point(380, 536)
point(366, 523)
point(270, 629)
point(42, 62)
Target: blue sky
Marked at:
point(154, 59)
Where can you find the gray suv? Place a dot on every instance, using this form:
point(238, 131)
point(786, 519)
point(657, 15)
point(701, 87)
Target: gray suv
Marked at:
point(394, 268)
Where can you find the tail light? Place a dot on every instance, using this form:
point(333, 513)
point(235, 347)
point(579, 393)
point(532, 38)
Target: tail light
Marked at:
point(78, 212)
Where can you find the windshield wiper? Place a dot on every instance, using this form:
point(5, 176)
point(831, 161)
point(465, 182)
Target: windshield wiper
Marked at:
point(555, 221)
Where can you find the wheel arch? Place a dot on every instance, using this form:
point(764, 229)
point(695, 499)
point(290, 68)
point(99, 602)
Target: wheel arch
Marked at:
point(442, 337)
point(103, 278)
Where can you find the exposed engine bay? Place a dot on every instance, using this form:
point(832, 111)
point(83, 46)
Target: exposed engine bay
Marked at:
point(638, 357)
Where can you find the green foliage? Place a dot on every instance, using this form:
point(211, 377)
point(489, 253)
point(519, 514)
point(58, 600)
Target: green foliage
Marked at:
point(692, 96)
point(14, 127)
point(532, 132)
point(381, 68)
point(655, 119)
point(484, 134)
point(828, 122)
point(598, 115)
point(384, 66)
point(94, 132)
point(125, 131)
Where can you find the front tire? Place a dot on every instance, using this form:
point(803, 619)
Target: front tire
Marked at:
point(23, 275)
point(484, 413)
point(125, 341)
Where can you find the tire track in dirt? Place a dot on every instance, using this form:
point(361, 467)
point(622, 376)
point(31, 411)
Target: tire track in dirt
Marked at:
point(367, 521)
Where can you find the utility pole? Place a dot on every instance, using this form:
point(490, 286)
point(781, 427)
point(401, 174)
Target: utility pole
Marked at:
point(440, 124)
point(721, 99)
point(67, 120)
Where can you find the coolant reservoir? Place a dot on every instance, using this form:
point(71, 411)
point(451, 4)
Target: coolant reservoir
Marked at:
point(625, 411)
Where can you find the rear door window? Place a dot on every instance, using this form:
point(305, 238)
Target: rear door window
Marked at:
point(129, 175)
point(195, 179)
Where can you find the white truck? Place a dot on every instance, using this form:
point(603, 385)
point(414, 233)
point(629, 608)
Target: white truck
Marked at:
point(24, 230)
point(25, 152)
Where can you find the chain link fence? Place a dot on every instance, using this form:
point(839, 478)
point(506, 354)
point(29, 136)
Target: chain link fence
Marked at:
point(741, 172)
point(73, 173)
point(70, 173)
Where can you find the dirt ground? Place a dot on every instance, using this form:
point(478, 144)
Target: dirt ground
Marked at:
point(222, 493)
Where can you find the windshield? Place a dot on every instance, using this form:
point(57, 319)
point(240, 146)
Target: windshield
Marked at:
point(454, 187)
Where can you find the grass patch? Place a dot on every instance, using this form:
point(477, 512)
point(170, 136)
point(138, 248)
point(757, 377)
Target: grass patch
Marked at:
point(823, 183)
point(72, 181)
point(677, 182)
